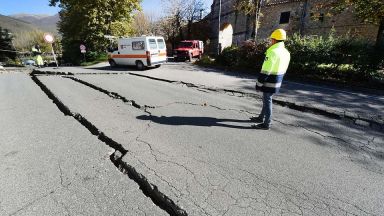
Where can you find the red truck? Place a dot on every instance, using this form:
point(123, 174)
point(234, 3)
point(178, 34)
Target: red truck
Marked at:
point(189, 49)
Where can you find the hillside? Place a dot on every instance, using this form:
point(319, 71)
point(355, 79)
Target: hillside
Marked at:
point(45, 22)
point(16, 26)
point(25, 34)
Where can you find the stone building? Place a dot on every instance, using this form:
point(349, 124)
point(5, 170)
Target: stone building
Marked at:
point(295, 16)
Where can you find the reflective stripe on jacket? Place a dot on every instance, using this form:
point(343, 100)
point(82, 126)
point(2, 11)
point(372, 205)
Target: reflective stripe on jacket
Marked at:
point(274, 67)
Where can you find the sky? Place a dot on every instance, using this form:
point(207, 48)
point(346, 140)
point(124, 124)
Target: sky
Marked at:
point(9, 7)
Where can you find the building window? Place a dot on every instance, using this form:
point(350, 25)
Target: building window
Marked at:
point(321, 17)
point(284, 17)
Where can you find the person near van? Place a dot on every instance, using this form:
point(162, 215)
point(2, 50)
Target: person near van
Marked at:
point(37, 54)
point(271, 76)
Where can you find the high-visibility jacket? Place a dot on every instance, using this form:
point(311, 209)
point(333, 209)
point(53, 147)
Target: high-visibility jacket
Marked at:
point(35, 51)
point(38, 58)
point(274, 67)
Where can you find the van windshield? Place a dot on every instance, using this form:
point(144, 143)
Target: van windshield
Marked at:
point(185, 45)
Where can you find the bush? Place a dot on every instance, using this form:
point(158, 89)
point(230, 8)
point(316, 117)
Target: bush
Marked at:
point(94, 58)
point(229, 56)
point(252, 55)
point(247, 55)
point(205, 60)
point(340, 58)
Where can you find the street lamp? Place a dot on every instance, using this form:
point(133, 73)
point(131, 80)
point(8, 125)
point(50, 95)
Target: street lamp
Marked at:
point(218, 35)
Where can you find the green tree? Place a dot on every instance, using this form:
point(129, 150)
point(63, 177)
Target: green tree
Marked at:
point(87, 21)
point(6, 47)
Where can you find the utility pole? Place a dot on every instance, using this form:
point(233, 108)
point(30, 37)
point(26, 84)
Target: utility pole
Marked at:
point(302, 17)
point(218, 35)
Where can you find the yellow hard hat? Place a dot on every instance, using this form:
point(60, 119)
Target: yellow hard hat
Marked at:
point(279, 34)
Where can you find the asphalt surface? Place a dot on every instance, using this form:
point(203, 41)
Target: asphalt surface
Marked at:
point(51, 165)
point(335, 100)
point(191, 145)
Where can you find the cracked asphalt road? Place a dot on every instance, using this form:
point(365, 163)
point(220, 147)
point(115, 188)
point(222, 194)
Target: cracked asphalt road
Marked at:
point(51, 165)
point(335, 100)
point(195, 146)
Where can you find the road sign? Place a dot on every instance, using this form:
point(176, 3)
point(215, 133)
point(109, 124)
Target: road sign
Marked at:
point(49, 38)
point(82, 47)
point(83, 51)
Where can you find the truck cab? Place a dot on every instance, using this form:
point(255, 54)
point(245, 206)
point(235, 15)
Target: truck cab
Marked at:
point(188, 49)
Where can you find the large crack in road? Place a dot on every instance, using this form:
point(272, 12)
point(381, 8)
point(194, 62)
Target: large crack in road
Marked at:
point(355, 145)
point(148, 189)
point(364, 121)
point(359, 120)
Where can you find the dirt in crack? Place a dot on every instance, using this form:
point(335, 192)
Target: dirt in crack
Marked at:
point(150, 190)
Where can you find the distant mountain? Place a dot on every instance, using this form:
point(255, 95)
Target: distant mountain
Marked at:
point(16, 26)
point(34, 16)
point(44, 22)
point(25, 33)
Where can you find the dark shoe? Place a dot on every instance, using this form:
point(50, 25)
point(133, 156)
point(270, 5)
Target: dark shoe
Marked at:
point(256, 119)
point(260, 126)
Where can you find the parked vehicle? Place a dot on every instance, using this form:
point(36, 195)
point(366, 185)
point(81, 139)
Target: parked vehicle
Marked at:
point(189, 49)
point(29, 62)
point(143, 52)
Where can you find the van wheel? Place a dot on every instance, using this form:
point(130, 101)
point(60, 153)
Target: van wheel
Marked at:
point(112, 63)
point(139, 65)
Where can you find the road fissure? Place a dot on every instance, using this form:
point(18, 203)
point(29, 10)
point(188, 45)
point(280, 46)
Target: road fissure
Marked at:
point(358, 120)
point(363, 121)
point(148, 189)
point(351, 144)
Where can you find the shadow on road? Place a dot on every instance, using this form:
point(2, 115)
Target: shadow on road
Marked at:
point(195, 121)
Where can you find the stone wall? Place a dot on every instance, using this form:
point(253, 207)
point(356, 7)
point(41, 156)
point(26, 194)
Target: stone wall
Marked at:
point(320, 22)
point(305, 18)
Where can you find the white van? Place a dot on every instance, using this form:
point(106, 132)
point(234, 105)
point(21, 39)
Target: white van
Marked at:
point(143, 52)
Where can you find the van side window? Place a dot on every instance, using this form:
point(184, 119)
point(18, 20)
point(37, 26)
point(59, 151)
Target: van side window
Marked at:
point(161, 43)
point(138, 45)
point(152, 44)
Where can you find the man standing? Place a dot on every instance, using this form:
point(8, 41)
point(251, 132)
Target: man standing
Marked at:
point(271, 76)
point(37, 53)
